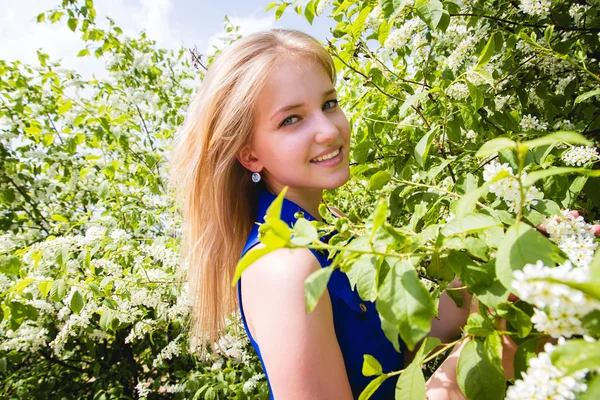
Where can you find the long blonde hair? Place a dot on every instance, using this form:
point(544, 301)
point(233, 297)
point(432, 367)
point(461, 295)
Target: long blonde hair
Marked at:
point(214, 191)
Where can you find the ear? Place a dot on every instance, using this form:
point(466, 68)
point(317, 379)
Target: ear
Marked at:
point(248, 159)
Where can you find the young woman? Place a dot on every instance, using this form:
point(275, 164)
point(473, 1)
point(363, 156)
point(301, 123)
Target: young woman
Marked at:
point(267, 117)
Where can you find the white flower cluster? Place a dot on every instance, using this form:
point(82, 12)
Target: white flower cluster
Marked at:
point(578, 12)
point(540, 8)
point(323, 4)
point(177, 388)
point(27, 338)
point(143, 389)
point(173, 349)
point(532, 123)
point(251, 383)
point(458, 91)
point(373, 19)
point(400, 37)
point(507, 188)
point(460, 53)
point(470, 135)
point(544, 381)
point(559, 308)
point(573, 236)
point(580, 155)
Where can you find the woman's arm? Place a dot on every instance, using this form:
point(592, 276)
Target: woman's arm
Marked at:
point(300, 350)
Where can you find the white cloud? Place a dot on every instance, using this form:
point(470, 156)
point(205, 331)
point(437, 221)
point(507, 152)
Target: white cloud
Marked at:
point(21, 35)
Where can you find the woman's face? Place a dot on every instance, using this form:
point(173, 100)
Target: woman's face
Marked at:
point(297, 119)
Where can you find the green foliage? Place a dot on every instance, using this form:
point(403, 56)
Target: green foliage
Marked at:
point(438, 93)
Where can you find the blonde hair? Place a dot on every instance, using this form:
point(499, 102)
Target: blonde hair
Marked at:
point(214, 191)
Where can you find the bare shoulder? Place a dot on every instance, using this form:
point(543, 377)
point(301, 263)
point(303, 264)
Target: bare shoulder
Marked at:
point(290, 339)
point(291, 264)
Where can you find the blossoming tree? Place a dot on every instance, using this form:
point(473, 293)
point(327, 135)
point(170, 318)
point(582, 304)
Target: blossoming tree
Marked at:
point(473, 158)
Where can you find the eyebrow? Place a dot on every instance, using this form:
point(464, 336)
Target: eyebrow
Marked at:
point(292, 106)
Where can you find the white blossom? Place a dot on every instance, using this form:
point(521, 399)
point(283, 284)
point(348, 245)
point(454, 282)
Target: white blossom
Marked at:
point(532, 123)
point(400, 37)
point(458, 91)
point(251, 383)
point(539, 8)
point(457, 57)
point(143, 389)
point(507, 188)
point(374, 18)
point(580, 155)
point(173, 349)
point(573, 236)
point(559, 308)
point(543, 380)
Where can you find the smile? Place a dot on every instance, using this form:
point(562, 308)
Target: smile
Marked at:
point(327, 156)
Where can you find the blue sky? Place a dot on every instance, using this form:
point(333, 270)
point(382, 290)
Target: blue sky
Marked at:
point(170, 22)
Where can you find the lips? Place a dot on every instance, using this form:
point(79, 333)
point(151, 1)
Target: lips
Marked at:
point(328, 151)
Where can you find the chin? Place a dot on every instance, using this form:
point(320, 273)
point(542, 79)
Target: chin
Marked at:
point(336, 183)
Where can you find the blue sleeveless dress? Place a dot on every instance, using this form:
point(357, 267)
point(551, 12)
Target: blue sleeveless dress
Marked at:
point(357, 324)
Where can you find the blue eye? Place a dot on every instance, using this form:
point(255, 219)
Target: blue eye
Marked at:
point(334, 103)
point(288, 121)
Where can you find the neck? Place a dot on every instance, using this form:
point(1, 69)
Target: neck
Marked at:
point(308, 199)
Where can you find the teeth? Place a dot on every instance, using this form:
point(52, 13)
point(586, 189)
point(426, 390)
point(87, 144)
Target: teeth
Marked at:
point(327, 156)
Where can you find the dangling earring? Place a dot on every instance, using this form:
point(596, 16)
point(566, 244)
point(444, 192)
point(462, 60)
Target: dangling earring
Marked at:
point(255, 177)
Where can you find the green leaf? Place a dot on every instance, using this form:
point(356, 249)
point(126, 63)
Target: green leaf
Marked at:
point(314, 287)
point(535, 176)
point(280, 10)
point(411, 383)
point(305, 232)
point(59, 218)
point(516, 317)
point(359, 22)
point(309, 12)
point(106, 320)
point(467, 202)
point(271, 5)
point(521, 245)
point(469, 224)
point(44, 287)
point(430, 11)
point(76, 302)
point(405, 303)
point(371, 366)
point(82, 53)
point(372, 387)
point(378, 180)
point(422, 148)
point(57, 292)
point(22, 284)
point(476, 96)
point(525, 352)
point(389, 7)
point(411, 101)
point(72, 24)
point(494, 146)
point(478, 375)
point(428, 345)
point(486, 53)
point(362, 274)
point(575, 355)
point(587, 95)
point(558, 137)
point(593, 389)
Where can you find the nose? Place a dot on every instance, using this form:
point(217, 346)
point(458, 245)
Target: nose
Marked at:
point(326, 131)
